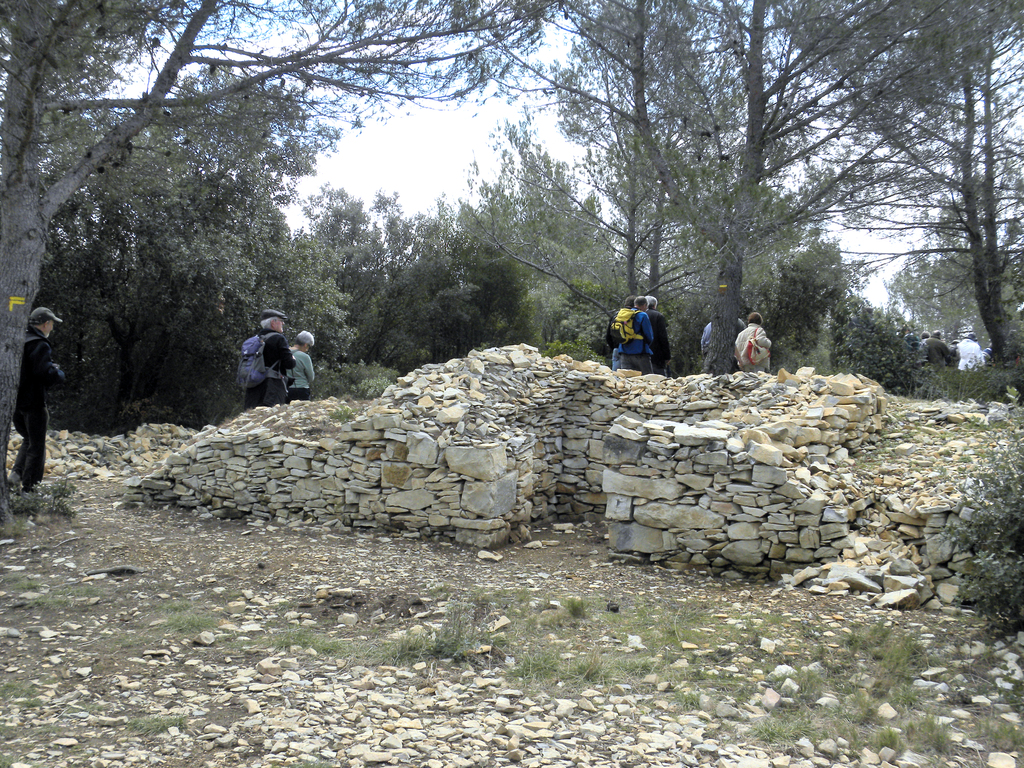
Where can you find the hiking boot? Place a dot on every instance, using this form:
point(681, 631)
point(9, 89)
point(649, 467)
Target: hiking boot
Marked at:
point(14, 481)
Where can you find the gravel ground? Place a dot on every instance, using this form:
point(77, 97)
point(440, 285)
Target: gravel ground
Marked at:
point(155, 637)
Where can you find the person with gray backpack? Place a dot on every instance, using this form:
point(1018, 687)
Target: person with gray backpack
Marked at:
point(265, 357)
point(753, 348)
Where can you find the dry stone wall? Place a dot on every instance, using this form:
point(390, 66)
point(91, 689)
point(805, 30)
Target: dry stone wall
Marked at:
point(711, 471)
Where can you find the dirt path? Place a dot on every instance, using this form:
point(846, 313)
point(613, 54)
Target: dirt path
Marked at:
point(155, 636)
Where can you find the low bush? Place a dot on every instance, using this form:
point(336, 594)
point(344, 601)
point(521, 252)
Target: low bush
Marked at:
point(49, 499)
point(991, 527)
point(866, 342)
point(353, 381)
point(981, 384)
point(577, 350)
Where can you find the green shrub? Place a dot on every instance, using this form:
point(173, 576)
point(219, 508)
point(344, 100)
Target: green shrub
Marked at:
point(353, 381)
point(576, 607)
point(991, 527)
point(372, 387)
point(456, 639)
point(579, 349)
point(981, 384)
point(52, 499)
point(343, 414)
point(888, 737)
point(930, 733)
point(867, 342)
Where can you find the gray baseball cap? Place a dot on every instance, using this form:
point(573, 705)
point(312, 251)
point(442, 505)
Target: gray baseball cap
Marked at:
point(41, 314)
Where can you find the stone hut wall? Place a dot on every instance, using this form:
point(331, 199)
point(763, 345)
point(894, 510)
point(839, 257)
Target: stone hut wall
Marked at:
point(717, 497)
point(479, 449)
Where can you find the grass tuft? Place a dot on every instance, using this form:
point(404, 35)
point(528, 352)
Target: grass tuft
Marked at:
point(456, 638)
point(783, 729)
point(576, 607)
point(888, 737)
point(308, 638)
point(931, 734)
point(537, 665)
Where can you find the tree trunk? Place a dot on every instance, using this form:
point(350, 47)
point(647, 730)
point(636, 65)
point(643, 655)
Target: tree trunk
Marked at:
point(655, 246)
point(744, 220)
point(26, 209)
point(22, 245)
point(22, 223)
point(988, 280)
point(980, 215)
point(126, 339)
point(632, 247)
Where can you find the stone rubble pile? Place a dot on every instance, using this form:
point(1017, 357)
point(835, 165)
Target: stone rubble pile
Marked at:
point(916, 494)
point(77, 455)
point(746, 475)
point(480, 449)
point(728, 499)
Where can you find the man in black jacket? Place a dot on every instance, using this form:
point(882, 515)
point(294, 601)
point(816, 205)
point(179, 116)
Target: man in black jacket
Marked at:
point(660, 351)
point(277, 357)
point(38, 373)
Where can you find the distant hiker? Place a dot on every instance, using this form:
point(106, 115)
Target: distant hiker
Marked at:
point(277, 358)
point(302, 374)
point(635, 353)
point(939, 354)
point(705, 342)
point(661, 353)
point(610, 338)
point(38, 374)
point(971, 355)
point(705, 339)
point(753, 348)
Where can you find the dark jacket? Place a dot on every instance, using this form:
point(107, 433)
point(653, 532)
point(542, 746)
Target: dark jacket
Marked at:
point(38, 372)
point(278, 358)
point(939, 354)
point(660, 352)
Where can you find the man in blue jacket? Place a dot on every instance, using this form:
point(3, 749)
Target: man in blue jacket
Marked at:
point(635, 354)
point(38, 373)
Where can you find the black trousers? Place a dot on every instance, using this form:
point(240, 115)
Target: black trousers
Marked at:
point(299, 393)
point(640, 363)
point(30, 463)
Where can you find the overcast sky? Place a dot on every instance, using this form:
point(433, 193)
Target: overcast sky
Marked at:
point(421, 155)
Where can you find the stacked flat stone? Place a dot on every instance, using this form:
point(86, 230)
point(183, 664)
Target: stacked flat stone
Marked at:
point(740, 501)
point(480, 449)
